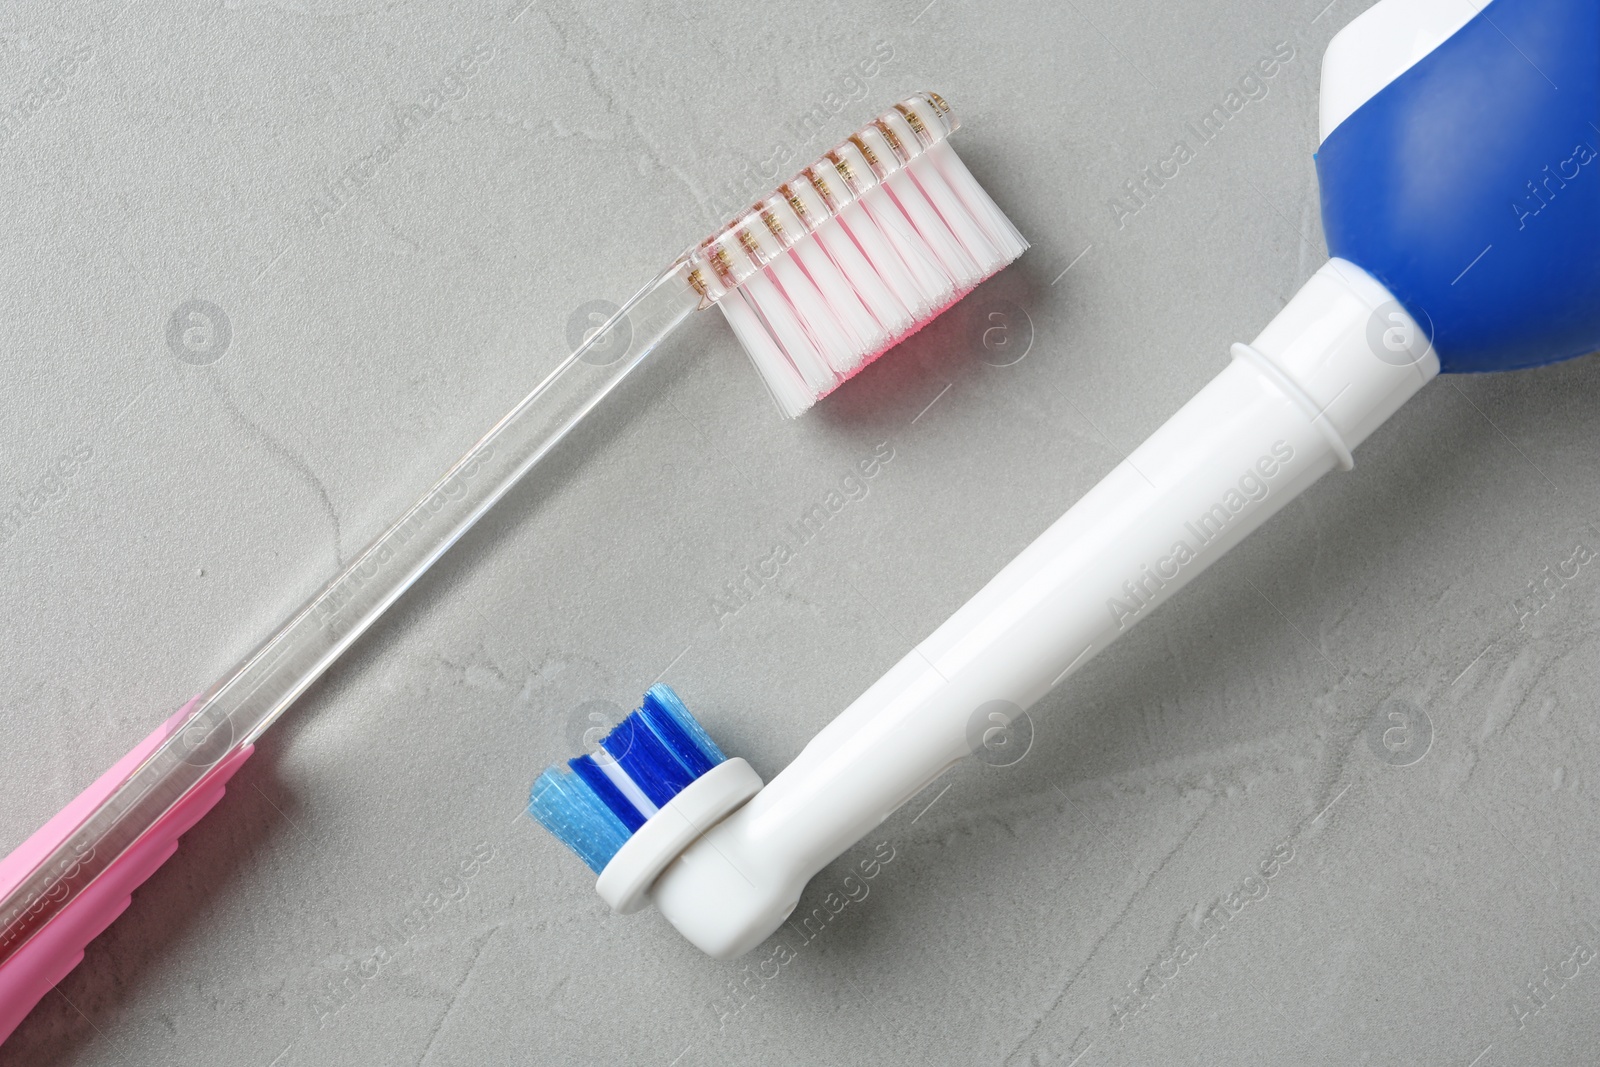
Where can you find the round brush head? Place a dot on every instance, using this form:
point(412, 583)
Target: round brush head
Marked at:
point(657, 775)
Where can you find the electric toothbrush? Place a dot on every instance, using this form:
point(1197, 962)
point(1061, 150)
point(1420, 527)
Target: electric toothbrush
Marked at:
point(1462, 212)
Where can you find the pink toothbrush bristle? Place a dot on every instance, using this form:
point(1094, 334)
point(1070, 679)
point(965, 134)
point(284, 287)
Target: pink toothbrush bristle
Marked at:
point(855, 253)
point(915, 329)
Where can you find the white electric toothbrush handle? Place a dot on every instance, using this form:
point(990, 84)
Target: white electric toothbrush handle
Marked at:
point(1336, 362)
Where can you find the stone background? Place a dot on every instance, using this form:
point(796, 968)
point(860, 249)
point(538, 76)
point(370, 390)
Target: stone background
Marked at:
point(1358, 701)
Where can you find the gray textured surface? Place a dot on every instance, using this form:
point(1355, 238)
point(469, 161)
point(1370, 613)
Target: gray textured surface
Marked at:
point(371, 340)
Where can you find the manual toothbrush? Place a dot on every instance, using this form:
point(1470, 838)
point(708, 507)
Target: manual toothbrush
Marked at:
point(848, 258)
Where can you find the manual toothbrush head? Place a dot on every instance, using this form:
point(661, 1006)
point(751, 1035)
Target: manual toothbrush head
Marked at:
point(853, 254)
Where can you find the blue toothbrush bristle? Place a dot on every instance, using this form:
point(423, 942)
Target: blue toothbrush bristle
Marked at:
point(597, 801)
point(662, 706)
point(648, 761)
point(566, 806)
point(606, 791)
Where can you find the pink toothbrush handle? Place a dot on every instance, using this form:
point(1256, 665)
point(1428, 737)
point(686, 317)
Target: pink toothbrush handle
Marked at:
point(34, 970)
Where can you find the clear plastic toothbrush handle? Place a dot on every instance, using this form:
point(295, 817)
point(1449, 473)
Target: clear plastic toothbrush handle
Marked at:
point(234, 711)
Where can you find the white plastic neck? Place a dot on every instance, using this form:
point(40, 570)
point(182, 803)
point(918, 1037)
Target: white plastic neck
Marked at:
point(1336, 362)
point(1346, 341)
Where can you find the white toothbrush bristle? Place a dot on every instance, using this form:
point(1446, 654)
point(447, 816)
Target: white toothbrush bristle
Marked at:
point(978, 204)
point(890, 317)
point(857, 253)
point(788, 389)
